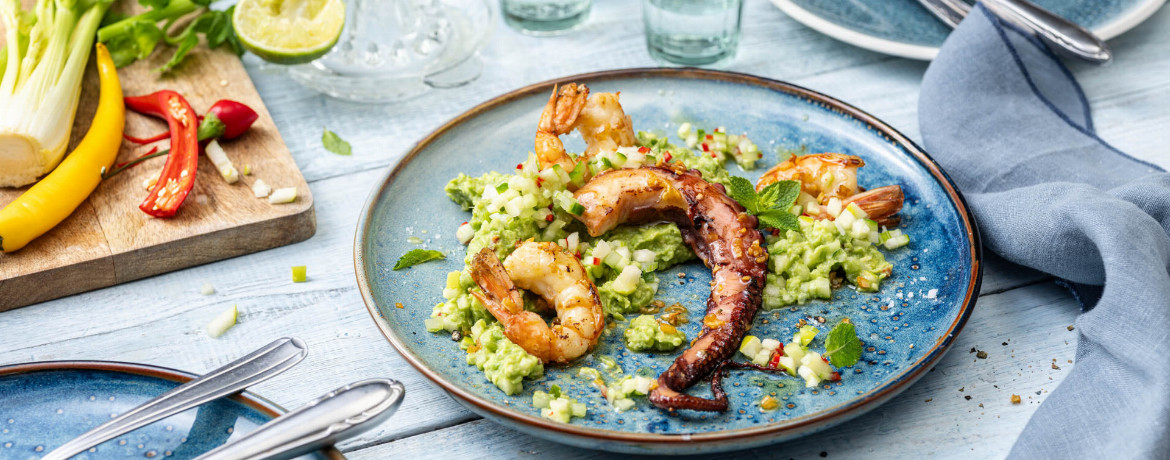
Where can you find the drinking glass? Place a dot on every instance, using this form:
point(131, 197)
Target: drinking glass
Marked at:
point(545, 17)
point(692, 32)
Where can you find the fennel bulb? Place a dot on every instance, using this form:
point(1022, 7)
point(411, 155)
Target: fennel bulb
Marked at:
point(40, 82)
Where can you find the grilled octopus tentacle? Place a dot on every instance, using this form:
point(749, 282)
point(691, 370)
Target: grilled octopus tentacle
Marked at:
point(720, 232)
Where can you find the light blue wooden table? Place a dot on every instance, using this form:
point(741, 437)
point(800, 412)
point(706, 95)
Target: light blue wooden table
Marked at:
point(961, 408)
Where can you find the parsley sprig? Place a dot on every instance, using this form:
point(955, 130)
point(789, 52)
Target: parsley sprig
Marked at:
point(842, 347)
point(131, 38)
point(771, 204)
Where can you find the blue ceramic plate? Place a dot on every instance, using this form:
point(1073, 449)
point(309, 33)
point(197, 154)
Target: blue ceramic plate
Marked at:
point(47, 404)
point(904, 28)
point(907, 326)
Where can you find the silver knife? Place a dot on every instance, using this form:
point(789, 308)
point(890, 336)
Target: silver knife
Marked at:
point(256, 367)
point(339, 414)
point(1066, 37)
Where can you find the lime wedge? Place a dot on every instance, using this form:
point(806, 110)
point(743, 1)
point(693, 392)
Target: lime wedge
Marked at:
point(289, 31)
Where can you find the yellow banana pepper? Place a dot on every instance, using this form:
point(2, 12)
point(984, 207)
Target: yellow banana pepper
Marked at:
point(57, 195)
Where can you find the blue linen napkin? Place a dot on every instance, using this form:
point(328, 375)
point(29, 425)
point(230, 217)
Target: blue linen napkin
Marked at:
point(1013, 129)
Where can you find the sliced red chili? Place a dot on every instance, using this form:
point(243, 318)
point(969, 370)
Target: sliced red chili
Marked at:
point(775, 361)
point(178, 174)
point(147, 140)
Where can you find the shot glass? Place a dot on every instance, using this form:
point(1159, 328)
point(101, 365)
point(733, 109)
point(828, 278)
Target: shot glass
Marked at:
point(545, 17)
point(692, 32)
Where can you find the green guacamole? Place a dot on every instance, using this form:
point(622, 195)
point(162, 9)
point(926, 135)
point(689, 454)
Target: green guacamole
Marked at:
point(646, 334)
point(799, 263)
point(503, 362)
point(664, 240)
point(713, 168)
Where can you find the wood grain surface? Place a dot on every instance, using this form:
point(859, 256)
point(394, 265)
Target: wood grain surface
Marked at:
point(108, 240)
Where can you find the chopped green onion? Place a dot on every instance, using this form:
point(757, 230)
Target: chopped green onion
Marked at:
point(223, 322)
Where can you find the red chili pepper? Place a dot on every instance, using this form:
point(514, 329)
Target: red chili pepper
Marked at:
point(835, 377)
point(711, 136)
point(775, 361)
point(668, 157)
point(549, 218)
point(519, 165)
point(824, 359)
point(596, 261)
point(147, 140)
point(643, 149)
point(178, 174)
point(236, 117)
point(706, 148)
point(538, 181)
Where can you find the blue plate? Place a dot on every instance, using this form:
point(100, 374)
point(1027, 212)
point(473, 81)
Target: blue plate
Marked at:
point(907, 326)
point(46, 404)
point(904, 28)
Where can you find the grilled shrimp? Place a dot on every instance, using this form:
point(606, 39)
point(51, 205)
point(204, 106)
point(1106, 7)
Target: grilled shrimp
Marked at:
point(600, 119)
point(824, 176)
point(554, 275)
point(720, 232)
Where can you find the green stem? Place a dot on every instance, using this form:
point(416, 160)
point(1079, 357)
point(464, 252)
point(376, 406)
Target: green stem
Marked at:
point(175, 9)
point(131, 163)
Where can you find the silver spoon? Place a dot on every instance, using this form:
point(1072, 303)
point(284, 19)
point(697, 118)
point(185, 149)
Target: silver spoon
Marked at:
point(256, 367)
point(339, 414)
point(1066, 37)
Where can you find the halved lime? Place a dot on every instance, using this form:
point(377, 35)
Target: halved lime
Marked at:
point(289, 31)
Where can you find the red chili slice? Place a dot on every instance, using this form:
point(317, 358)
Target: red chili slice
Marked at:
point(178, 174)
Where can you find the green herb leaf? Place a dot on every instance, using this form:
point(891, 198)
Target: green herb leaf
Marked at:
point(335, 143)
point(180, 53)
point(156, 4)
point(771, 205)
point(780, 195)
point(741, 190)
point(417, 256)
point(143, 36)
point(781, 219)
point(842, 347)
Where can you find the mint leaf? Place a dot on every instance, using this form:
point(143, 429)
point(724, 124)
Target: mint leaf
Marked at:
point(789, 191)
point(417, 256)
point(842, 347)
point(769, 197)
point(741, 190)
point(336, 144)
point(779, 218)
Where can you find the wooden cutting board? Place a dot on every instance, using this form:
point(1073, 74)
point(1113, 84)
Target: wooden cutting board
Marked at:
point(108, 240)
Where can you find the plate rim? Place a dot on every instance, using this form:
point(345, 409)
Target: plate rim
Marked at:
point(790, 427)
point(247, 398)
point(1119, 25)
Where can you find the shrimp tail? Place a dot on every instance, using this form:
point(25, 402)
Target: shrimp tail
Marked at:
point(880, 204)
point(558, 118)
point(499, 295)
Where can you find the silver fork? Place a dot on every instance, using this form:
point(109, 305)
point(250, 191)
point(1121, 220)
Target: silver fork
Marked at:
point(1066, 37)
